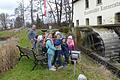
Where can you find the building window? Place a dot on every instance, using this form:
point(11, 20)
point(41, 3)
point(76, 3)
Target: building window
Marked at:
point(117, 18)
point(77, 22)
point(99, 1)
point(99, 20)
point(87, 21)
point(86, 3)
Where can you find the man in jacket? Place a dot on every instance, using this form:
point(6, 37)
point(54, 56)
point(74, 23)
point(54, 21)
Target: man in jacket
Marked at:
point(32, 36)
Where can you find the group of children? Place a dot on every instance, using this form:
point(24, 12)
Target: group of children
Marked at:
point(57, 46)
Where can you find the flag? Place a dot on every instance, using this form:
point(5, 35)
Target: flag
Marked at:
point(44, 7)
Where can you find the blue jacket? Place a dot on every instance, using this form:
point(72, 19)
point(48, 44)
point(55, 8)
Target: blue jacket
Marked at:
point(50, 47)
point(58, 42)
point(32, 34)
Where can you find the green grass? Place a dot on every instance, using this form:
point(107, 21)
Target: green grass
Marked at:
point(6, 33)
point(22, 71)
point(23, 38)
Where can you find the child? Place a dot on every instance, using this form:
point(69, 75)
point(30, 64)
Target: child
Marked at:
point(58, 52)
point(65, 50)
point(50, 51)
point(70, 43)
point(39, 44)
point(44, 49)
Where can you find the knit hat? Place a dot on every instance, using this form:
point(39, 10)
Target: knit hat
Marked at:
point(70, 37)
point(57, 33)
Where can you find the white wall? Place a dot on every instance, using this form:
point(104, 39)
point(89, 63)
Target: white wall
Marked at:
point(79, 12)
point(108, 15)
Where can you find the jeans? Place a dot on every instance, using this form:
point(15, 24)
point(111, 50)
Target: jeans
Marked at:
point(34, 45)
point(57, 57)
point(50, 61)
point(66, 55)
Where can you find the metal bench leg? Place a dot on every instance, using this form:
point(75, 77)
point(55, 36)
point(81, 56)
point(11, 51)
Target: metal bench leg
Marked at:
point(20, 57)
point(27, 56)
point(35, 64)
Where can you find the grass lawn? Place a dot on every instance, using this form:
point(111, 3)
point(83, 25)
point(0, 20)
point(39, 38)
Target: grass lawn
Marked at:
point(6, 33)
point(22, 71)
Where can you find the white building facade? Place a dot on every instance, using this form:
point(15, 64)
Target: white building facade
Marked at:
point(96, 12)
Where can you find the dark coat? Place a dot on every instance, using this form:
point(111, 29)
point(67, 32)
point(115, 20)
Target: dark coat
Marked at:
point(65, 49)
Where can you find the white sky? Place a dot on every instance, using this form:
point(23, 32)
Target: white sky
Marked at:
point(8, 6)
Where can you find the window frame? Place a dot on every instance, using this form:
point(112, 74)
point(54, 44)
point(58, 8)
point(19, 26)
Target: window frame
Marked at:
point(87, 21)
point(87, 4)
point(77, 22)
point(99, 2)
point(117, 20)
point(99, 20)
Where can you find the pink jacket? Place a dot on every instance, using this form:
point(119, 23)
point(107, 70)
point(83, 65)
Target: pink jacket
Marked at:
point(71, 44)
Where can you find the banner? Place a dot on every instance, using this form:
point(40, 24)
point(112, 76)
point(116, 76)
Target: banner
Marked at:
point(44, 7)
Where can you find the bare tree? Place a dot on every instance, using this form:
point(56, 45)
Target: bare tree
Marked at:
point(61, 5)
point(31, 3)
point(19, 12)
point(65, 9)
point(72, 11)
point(3, 20)
point(68, 8)
point(18, 22)
point(23, 10)
point(52, 12)
point(39, 23)
point(56, 4)
point(41, 9)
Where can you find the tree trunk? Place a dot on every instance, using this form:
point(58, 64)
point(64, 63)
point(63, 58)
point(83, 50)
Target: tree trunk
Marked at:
point(66, 12)
point(72, 10)
point(60, 13)
point(31, 3)
point(58, 19)
point(69, 13)
point(41, 10)
point(52, 12)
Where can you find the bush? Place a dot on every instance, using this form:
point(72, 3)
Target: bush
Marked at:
point(65, 29)
point(8, 56)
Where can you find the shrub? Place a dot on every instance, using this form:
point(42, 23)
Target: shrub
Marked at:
point(65, 29)
point(8, 56)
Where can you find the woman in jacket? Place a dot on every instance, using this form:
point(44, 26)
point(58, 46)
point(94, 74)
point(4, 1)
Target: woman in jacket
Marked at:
point(50, 51)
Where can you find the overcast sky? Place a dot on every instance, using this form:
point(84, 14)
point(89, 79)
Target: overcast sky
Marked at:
point(8, 6)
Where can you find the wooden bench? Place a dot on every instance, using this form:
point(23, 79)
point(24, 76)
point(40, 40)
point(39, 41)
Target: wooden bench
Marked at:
point(38, 57)
point(24, 52)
